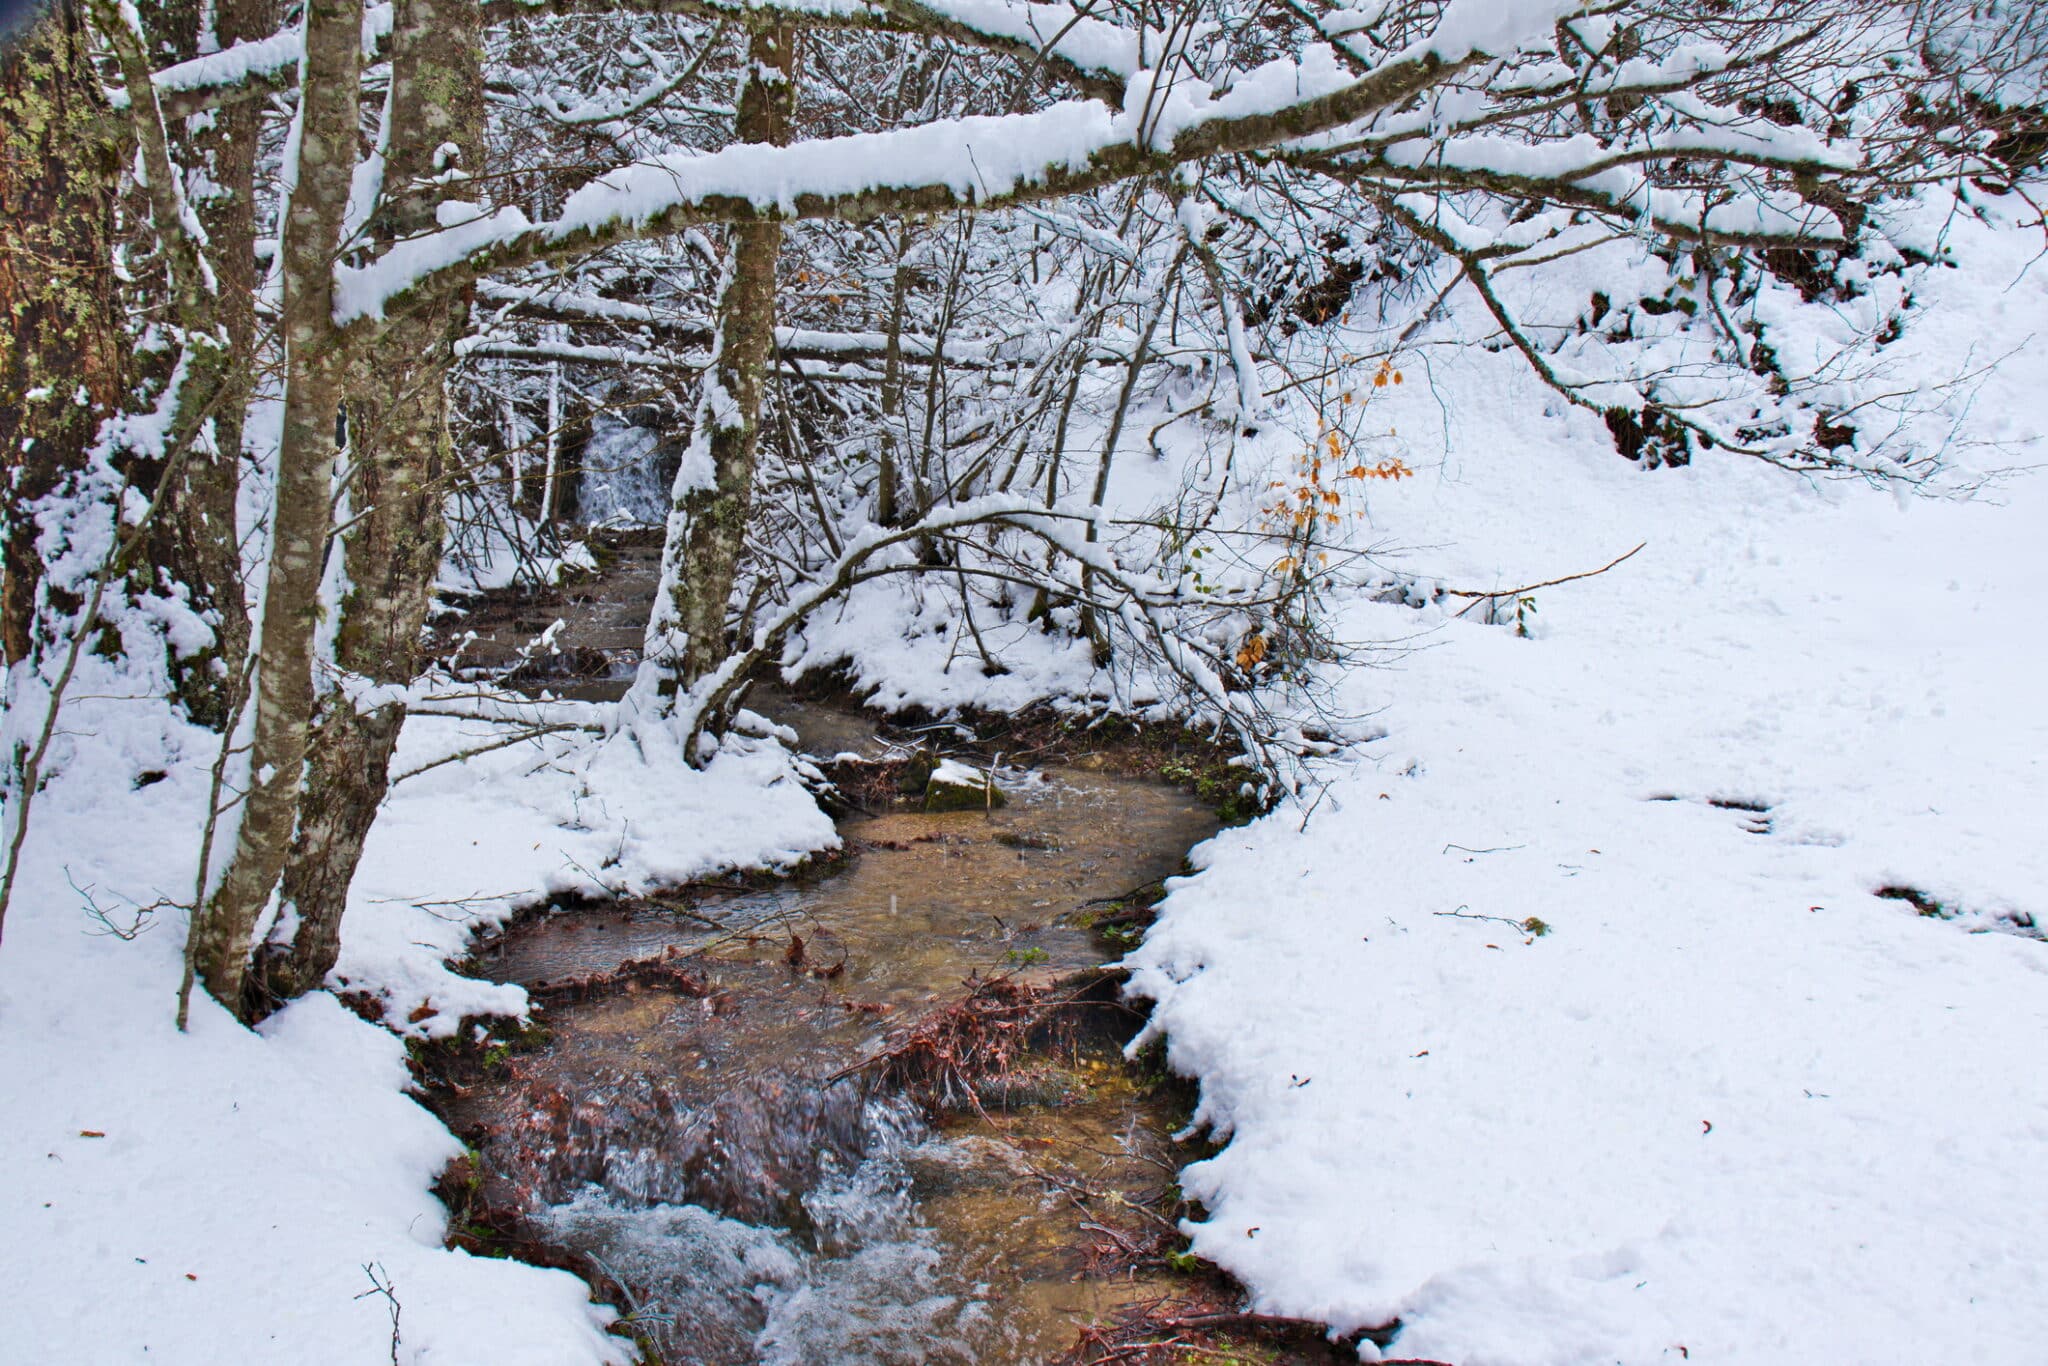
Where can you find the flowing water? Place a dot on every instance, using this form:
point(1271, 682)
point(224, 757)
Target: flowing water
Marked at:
point(597, 626)
point(705, 1139)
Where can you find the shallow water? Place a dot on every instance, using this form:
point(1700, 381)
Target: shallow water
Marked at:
point(930, 899)
point(698, 1149)
point(603, 622)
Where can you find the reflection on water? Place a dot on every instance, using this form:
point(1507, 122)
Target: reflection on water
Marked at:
point(931, 899)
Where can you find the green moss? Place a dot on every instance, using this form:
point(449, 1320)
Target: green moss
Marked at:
point(942, 797)
point(1218, 783)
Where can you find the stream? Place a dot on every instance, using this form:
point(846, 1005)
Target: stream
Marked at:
point(700, 1130)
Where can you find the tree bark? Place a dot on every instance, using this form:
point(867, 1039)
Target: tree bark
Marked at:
point(889, 453)
point(316, 367)
point(193, 543)
point(707, 529)
point(348, 771)
point(62, 351)
point(199, 524)
point(398, 454)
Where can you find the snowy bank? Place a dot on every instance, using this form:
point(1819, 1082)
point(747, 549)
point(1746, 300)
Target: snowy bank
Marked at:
point(1729, 1105)
point(226, 1195)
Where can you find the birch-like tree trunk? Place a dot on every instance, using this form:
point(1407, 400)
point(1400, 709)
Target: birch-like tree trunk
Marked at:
point(316, 368)
point(889, 453)
point(708, 528)
point(398, 454)
point(199, 520)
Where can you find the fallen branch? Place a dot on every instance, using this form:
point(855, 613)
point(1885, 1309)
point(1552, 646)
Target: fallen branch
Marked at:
point(663, 970)
point(1479, 597)
point(475, 751)
point(1532, 926)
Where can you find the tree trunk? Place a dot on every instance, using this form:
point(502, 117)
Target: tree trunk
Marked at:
point(398, 439)
point(348, 770)
point(890, 453)
point(315, 370)
point(707, 528)
point(62, 352)
point(191, 544)
point(199, 521)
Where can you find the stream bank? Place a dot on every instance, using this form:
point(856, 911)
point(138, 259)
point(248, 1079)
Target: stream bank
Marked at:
point(876, 1112)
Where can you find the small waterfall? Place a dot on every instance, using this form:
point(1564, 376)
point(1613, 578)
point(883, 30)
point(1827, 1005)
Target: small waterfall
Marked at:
point(754, 1151)
point(625, 474)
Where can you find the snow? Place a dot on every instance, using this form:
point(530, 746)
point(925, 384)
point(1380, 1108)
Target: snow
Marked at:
point(1094, 45)
point(246, 1179)
point(235, 64)
point(976, 157)
point(241, 1183)
point(1156, 117)
point(953, 773)
point(1496, 28)
point(1729, 1106)
point(559, 815)
point(243, 1179)
point(257, 58)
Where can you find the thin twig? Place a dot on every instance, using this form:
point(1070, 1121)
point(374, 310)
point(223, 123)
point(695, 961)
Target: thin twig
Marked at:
point(1532, 587)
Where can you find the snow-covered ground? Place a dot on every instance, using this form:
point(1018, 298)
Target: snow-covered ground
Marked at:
point(225, 1196)
point(1730, 1106)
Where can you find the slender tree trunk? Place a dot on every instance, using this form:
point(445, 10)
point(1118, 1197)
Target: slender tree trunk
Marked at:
point(708, 528)
point(200, 519)
point(316, 368)
point(398, 455)
point(887, 512)
point(348, 771)
point(191, 543)
point(1090, 626)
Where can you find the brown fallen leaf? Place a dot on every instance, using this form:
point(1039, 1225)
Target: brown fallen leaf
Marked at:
point(91, 1133)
